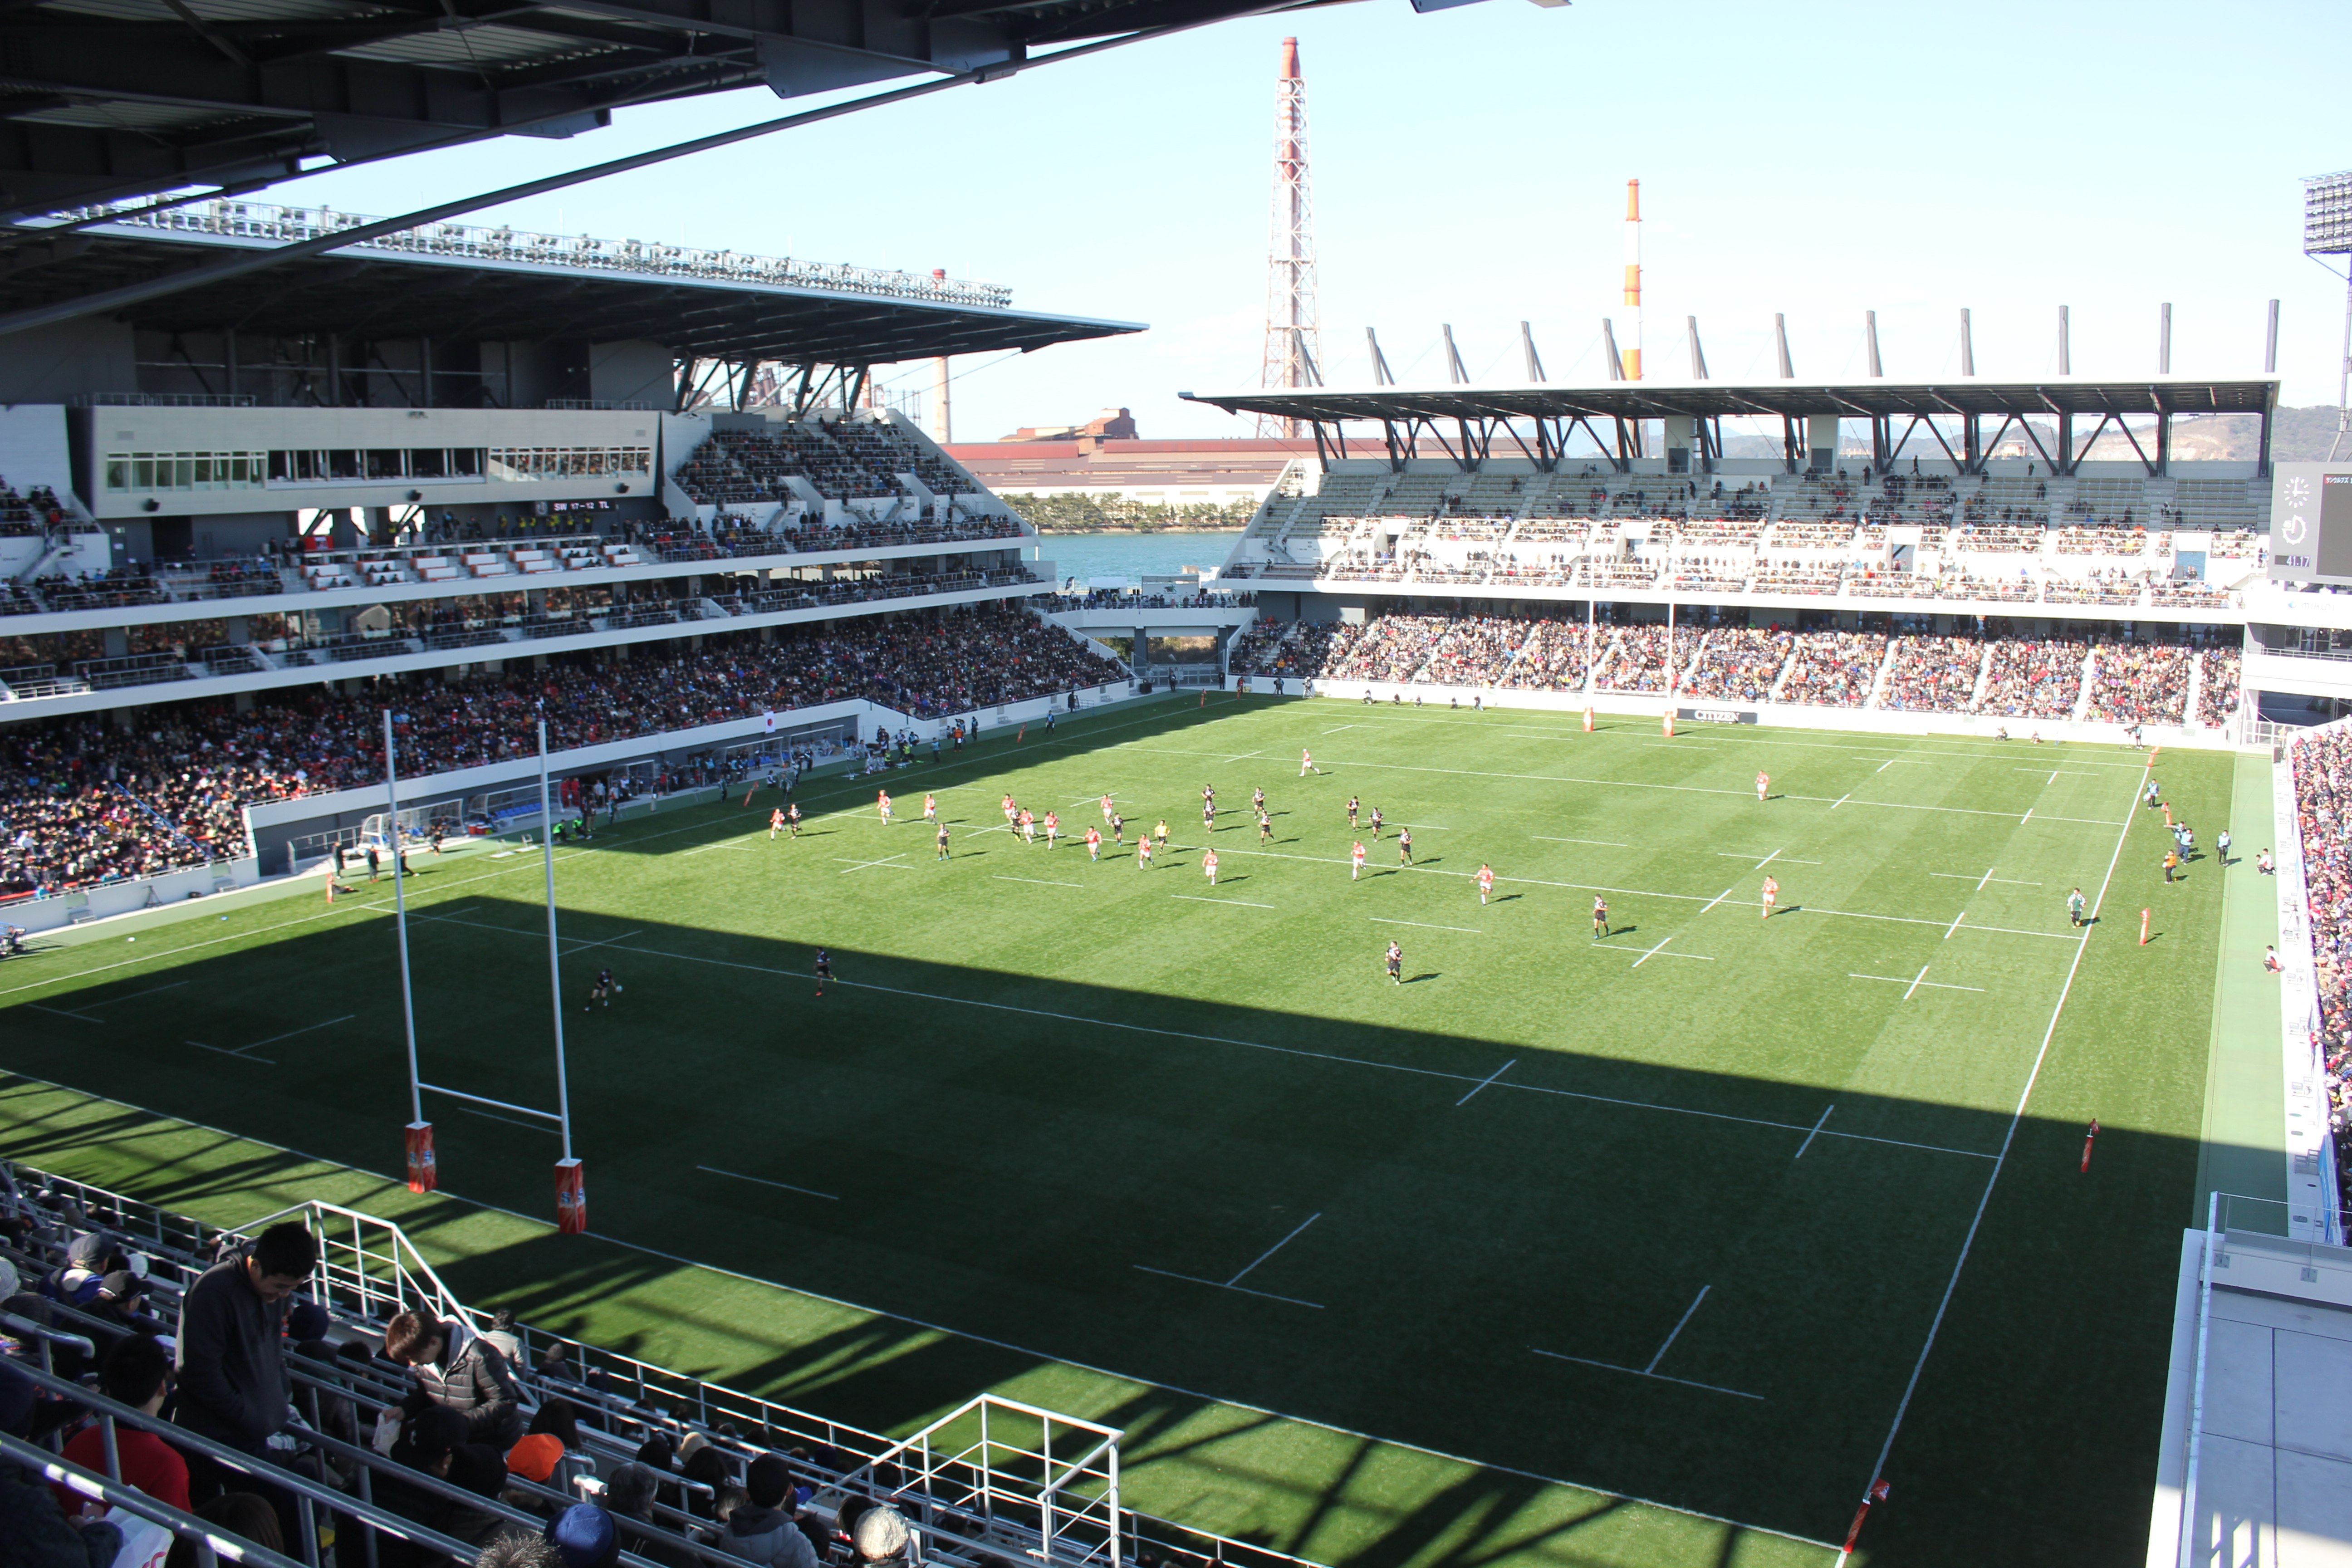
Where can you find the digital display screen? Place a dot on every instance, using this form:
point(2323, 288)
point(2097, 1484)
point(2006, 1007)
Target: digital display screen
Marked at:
point(2311, 523)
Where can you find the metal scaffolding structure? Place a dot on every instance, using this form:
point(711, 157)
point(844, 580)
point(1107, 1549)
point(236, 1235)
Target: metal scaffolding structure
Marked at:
point(1294, 331)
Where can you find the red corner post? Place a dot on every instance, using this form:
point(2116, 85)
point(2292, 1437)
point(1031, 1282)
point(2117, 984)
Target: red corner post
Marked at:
point(571, 1199)
point(1877, 1493)
point(423, 1174)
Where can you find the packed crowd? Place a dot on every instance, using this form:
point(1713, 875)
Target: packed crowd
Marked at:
point(84, 802)
point(2027, 678)
point(25, 511)
point(2323, 789)
point(217, 1380)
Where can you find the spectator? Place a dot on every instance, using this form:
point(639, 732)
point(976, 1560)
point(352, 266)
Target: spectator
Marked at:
point(766, 1529)
point(458, 1369)
point(230, 1354)
point(881, 1535)
point(584, 1537)
point(629, 1493)
point(137, 1372)
point(248, 1514)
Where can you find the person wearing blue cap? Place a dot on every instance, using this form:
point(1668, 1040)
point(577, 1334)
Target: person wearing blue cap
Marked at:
point(584, 1537)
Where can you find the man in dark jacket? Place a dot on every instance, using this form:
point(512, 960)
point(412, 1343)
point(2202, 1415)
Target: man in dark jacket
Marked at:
point(458, 1370)
point(765, 1530)
point(231, 1347)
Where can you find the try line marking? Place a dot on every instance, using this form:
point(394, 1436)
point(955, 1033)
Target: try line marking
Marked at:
point(2001, 1157)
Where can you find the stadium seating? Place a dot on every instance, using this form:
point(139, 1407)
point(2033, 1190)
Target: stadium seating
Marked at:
point(664, 1459)
point(83, 801)
point(2005, 676)
point(2323, 783)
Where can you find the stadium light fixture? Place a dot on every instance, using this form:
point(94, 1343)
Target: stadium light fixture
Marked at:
point(2327, 231)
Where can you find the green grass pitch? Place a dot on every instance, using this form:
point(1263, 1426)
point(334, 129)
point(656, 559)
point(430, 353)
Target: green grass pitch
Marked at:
point(1669, 1215)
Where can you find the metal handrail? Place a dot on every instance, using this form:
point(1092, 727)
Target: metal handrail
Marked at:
point(211, 1543)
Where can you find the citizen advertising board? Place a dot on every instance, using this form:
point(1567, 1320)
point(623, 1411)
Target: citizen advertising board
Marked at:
point(1717, 715)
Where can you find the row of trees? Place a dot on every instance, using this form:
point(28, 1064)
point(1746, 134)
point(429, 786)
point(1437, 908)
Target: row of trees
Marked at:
point(1072, 511)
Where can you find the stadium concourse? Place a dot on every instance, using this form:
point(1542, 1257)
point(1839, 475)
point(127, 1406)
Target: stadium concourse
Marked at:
point(85, 802)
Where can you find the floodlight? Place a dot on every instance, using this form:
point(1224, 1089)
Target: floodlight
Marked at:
point(2328, 214)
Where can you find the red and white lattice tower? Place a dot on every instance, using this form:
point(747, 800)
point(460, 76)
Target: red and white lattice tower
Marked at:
point(1294, 332)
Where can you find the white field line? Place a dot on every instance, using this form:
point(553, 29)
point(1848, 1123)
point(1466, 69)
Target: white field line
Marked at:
point(1652, 893)
point(2001, 1159)
point(1917, 984)
point(1980, 881)
point(1277, 1246)
point(1484, 1081)
point(1637, 1372)
point(63, 1012)
point(584, 946)
point(1197, 898)
point(494, 1116)
point(1815, 1132)
point(1598, 843)
point(1955, 925)
point(1381, 921)
point(1633, 783)
point(882, 865)
point(1654, 952)
point(1912, 989)
point(1037, 883)
point(223, 1051)
point(1651, 1369)
point(737, 1175)
point(1220, 1285)
point(1133, 1028)
point(539, 1225)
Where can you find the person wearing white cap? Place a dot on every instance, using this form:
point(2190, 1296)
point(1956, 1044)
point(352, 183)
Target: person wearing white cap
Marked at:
point(881, 1535)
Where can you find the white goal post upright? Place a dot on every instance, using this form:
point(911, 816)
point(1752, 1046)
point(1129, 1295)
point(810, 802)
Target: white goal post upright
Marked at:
point(571, 1195)
point(424, 1174)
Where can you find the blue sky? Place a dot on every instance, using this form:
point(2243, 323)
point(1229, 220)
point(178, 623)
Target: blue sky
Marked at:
point(1469, 166)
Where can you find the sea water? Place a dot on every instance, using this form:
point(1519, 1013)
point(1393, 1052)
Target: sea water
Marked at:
point(1086, 556)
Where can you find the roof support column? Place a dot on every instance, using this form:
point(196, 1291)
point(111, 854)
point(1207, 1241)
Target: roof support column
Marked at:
point(1789, 443)
point(2066, 436)
point(1388, 430)
point(2163, 427)
point(1971, 444)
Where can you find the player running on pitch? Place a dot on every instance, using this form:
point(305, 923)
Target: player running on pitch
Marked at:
point(1029, 827)
point(942, 838)
point(823, 969)
point(1094, 845)
point(775, 823)
point(1106, 810)
point(1053, 827)
point(601, 995)
point(1396, 963)
point(792, 818)
point(1209, 866)
point(1600, 918)
point(1376, 824)
point(1772, 896)
point(1356, 861)
point(1485, 883)
point(1118, 830)
point(1012, 811)
point(1162, 833)
point(1405, 846)
point(882, 804)
point(1265, 827)
point(1306, 764)
point(2074, 907)
point(1354, 805)
point(930, 808)
point(1144, 852)
point(1208, 813)
point(1257, 800)
point(1763, 784)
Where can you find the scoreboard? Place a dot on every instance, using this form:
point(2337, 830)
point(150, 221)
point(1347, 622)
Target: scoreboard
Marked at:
point(2311, 523)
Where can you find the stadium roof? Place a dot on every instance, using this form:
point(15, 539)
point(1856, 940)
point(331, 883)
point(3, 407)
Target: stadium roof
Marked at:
point(459, 284)
point(103, 99)
point(1961, 396)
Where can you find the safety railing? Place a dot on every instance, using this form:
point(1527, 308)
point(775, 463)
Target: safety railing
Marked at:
point(995, 1476)
point(997, 1458)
